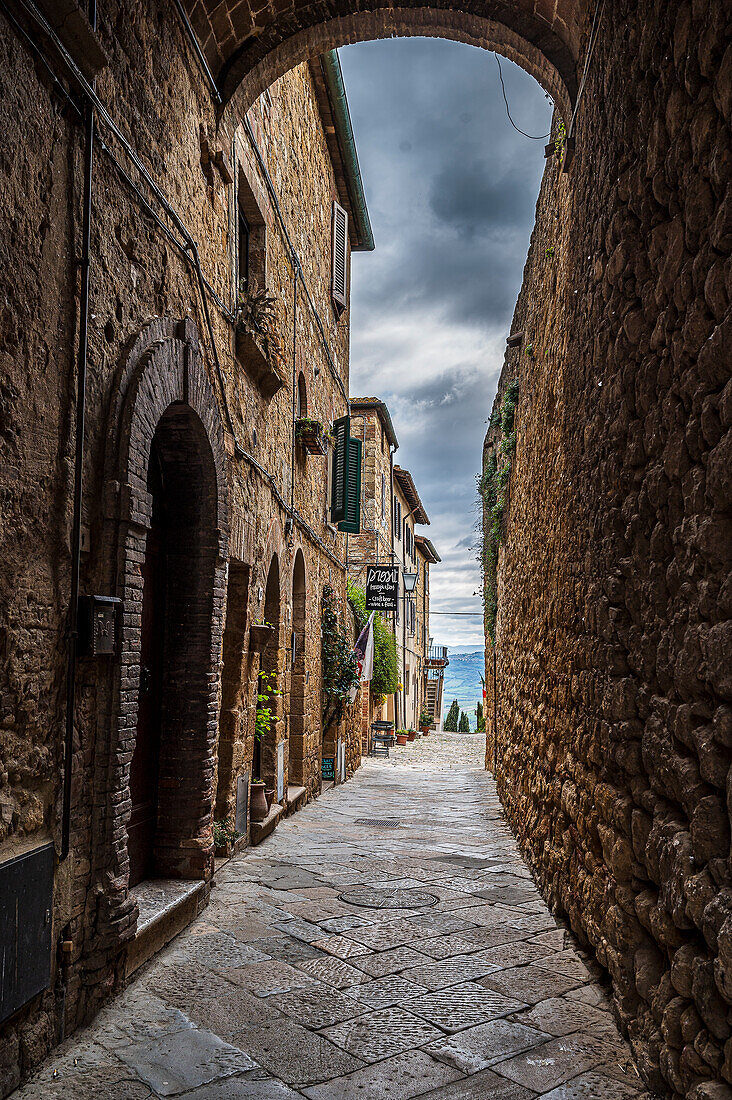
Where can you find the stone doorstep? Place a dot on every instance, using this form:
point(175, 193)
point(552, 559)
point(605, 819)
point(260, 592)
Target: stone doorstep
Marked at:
point(261, 829)
point(167, 906)
point(295, 799)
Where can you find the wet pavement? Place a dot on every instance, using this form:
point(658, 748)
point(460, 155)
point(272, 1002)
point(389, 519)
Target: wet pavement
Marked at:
point(385, 943)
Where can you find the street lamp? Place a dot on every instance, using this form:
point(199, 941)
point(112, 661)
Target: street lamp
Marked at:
point(410, 581)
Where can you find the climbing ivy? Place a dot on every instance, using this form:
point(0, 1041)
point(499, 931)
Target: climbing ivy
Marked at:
point(493, 490)
point(338, 662)
point(386, 675)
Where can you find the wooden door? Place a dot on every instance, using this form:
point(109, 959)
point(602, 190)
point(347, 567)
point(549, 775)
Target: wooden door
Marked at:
point(146, 757)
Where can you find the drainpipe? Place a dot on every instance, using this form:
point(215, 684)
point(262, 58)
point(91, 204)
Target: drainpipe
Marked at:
point(81, 367)
point(347, 144)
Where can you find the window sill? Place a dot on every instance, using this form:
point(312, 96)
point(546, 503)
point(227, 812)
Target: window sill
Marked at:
point(268, 374)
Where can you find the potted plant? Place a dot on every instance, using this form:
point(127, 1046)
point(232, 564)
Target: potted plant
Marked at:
point(258, 808)
point(401, 736)
point(310, 434)
point(224, 836)
point(425, 722)
point(261, 633)
point(411, 735)
point(258, 344)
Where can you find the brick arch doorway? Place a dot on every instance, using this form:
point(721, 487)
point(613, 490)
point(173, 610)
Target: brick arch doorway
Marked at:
point(264, 764)
point(172, 747)
point(298, 674)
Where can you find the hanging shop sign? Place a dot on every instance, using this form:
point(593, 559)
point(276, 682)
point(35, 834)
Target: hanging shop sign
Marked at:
point(382, 587)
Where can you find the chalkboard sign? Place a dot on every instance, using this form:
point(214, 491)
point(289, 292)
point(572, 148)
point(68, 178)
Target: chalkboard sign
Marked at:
point(329, 767)
point(382, 587)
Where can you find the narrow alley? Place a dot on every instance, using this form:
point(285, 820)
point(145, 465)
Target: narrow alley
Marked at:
point(386, 943)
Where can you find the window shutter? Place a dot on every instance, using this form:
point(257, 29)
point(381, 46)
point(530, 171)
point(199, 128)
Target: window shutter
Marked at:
point(352, 521)
point(340, 254)
point(341, 433)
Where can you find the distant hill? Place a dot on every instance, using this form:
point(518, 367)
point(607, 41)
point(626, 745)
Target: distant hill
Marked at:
point(462, 679)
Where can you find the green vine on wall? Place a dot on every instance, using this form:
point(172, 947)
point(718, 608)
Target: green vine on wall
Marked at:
point(386, 676)
point(493, 489)
point(338, 662)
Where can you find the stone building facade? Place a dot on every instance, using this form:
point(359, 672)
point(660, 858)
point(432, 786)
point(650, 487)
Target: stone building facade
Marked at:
point(410, 638)
point(203, 510)
point(433, 658)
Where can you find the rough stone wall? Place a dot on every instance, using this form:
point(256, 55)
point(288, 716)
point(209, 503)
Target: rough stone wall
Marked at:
point(375, 541)
point(141, 283)
point(614, 733)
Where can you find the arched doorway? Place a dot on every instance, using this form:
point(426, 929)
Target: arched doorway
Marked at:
point(172, 750)
point(265, 763)
point(297, 718)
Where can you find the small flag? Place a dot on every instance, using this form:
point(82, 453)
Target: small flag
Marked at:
point(365, 650)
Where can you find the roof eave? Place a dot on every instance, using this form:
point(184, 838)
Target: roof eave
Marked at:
point(327, 68)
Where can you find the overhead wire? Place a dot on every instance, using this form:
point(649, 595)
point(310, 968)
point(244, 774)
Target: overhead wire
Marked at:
point(533, 137)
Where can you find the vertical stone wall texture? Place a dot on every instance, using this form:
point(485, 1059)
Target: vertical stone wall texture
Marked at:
point(614, 668)
point(149, 346)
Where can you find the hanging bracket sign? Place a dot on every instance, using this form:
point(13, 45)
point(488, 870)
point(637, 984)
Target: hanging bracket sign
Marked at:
point(382, 587)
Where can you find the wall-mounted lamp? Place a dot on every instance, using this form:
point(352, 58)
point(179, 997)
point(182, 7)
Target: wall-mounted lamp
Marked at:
point(410, 581)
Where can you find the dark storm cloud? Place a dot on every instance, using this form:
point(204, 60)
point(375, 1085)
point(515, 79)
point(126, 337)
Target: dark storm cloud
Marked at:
point(451, 190)
point(477, 201)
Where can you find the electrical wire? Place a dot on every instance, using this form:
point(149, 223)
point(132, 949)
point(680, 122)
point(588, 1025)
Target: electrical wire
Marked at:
point(533, 137)
point(599, 7)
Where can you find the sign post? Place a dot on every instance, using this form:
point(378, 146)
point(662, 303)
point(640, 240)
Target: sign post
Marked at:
point(382, 587)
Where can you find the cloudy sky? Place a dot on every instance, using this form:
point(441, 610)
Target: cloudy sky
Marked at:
point(451, 189)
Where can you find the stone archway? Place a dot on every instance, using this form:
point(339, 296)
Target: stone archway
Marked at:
point(247, 49)
point(297, 717)
point(165, 414)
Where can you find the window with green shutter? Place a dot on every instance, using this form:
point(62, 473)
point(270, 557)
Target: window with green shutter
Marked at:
point(341, 438)
point(352, 521)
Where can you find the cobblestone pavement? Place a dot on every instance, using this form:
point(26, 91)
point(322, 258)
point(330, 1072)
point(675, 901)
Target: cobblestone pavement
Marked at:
point(387, 942)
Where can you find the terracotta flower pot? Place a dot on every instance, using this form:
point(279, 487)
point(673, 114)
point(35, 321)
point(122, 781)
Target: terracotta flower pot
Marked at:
point(258, 808)
point(401, 738)
point(424, 730)
point(412, 735)
point(269, 795)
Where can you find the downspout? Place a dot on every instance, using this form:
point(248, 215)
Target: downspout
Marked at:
point(344, 132)
point(81, 367)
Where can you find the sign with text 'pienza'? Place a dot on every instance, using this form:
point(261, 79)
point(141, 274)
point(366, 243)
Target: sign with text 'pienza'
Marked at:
point(382, 587)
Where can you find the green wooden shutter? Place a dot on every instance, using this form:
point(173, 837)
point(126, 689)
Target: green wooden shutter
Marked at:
point(352, 521)
point(341, 434)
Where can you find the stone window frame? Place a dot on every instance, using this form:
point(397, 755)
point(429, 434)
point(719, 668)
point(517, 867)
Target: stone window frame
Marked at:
point(250, 198)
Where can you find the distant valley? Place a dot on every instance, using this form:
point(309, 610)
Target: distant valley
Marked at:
point(462, 679)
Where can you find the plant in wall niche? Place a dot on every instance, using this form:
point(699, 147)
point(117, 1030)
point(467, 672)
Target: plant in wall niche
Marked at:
point(385, 676)
point(560, 142)
point(310, 434)
point(258, 314)
point(338, 661)
point(549, 252)
point(493, 490)
point(530, 351)
point(224, 834)
point(265, 717)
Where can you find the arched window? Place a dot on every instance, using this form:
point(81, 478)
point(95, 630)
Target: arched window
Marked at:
point(302, 396)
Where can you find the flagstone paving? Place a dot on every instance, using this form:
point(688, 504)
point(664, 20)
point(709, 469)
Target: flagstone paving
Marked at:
point(344, 959)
